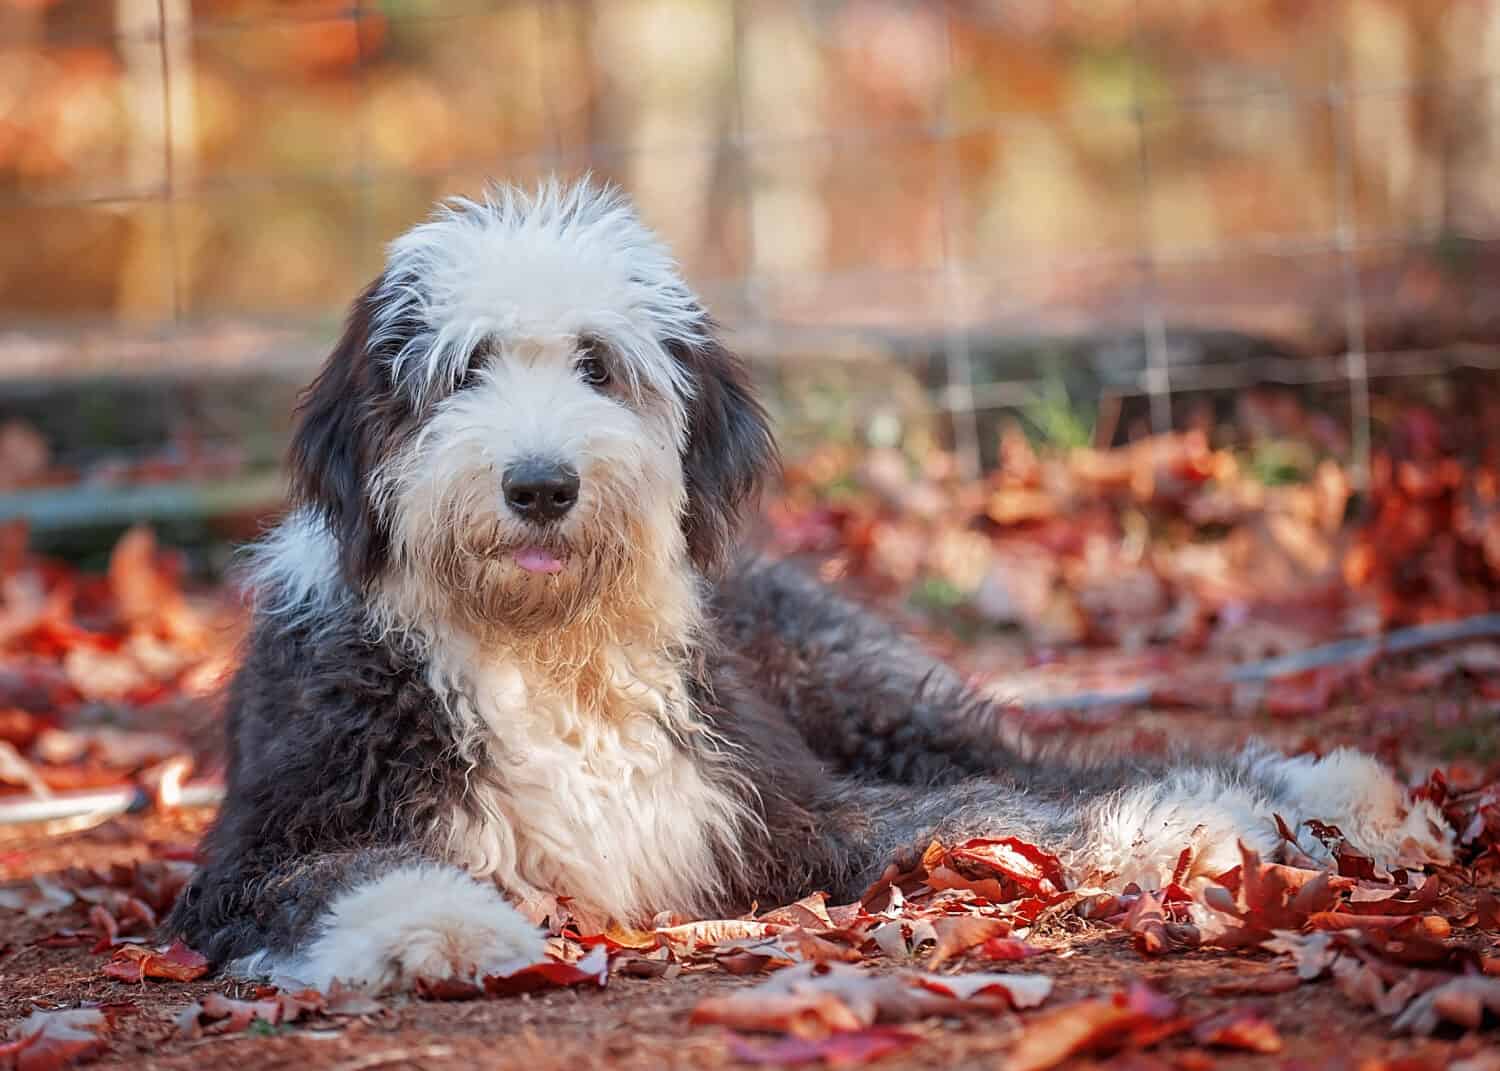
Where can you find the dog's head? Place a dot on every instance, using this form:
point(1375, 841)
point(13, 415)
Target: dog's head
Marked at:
point(528, 410)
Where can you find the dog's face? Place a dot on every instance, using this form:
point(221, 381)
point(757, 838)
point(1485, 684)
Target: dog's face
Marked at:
point(527, 412)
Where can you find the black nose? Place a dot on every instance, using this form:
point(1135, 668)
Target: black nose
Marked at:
point(540, 490)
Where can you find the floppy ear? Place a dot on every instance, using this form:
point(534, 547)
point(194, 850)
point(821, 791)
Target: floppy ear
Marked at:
point(729, 454)
point(349, 420)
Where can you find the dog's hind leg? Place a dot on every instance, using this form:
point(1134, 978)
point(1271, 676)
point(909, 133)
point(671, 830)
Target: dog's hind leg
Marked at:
point(1127, 822)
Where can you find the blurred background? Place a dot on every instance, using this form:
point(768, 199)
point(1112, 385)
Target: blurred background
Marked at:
point(1113, 322)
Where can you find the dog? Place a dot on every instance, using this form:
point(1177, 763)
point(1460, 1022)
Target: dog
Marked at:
point(505, 646)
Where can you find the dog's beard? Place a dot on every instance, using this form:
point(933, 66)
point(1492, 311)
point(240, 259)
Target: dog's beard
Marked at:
point(479, 565)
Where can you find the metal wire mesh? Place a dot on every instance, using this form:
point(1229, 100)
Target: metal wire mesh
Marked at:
point(899, 182)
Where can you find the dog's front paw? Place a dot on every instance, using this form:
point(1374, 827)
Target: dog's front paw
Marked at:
point(427, 922)
point(1373, 812)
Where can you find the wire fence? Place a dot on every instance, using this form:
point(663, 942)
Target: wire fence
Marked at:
point(179, 177)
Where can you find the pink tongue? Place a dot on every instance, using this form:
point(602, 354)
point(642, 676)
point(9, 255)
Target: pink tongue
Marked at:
point(537, 560)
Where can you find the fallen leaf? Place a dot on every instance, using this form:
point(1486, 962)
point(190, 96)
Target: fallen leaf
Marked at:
point(37, 897)
point(1461, 1001)
point(1139, 1016)
point(15, 770)
point(1261, 985)
point(696, 936)
point(218, 1014)
point(1008, 948)
point(177, 963)
point(618, 937)
point(591, 969)
point(44, 1041)
point(850, 1048)
point(1240, 1029)
point(1025, 864)
point(346, 1000)
point(1146, 922)
point(1051, 1037)
point(802, 1015)
point(816, 999)
point(810, 912)
point(957, 935)
point(1020, 990)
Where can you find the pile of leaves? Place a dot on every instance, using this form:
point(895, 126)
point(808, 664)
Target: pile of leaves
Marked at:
point(102, 678)
point(1166, 540)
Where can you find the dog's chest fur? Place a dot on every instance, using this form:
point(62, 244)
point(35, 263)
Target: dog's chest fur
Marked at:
point(611, 811)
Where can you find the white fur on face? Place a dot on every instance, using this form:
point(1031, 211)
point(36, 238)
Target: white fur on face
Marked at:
point(488, 301)
point(454, 541)
point(563, 261)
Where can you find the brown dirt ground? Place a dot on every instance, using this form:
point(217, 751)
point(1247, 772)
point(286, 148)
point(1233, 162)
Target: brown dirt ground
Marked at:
point(632, 1023)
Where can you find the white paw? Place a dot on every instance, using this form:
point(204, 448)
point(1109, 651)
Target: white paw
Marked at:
point(429, 921)
point(1375, 814)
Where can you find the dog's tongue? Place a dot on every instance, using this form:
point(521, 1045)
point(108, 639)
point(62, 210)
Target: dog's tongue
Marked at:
point(537, 560)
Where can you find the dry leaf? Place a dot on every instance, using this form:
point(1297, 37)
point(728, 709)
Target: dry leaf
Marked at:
point(44, 1041)
point(1240, 1029)
point(592, 969)
point(1461, 1001)
point(847, 1049)
point(1139, 1016)
point(1051, 1037)
point(218, 1014)
point(815, 999)
point(692, 937)
point(802, 1015)
point(957, 935)
point(177, 963)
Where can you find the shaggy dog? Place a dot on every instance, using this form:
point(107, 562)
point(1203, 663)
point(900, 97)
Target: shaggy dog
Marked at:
point(503, 647)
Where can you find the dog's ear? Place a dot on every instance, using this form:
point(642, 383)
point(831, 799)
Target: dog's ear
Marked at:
point(349, 420)
point(730, 451)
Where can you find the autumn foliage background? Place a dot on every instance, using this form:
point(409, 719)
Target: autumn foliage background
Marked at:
point(1120, 348)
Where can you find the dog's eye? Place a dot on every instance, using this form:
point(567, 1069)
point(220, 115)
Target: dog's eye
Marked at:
point(590, 365)
point(593, 371)
point(478, 357)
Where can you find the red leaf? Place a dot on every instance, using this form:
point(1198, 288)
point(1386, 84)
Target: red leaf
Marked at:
point(1487, 915)
point(810, 911)
point(617, 937)
point(848, 1049)
point(1260, 985)
point(1146, 922)
point(1027, 865)
point(178, 963)
point(1241, 1029)
point(105, 926)
point(956, 935)
point(802, 1015)
point(1019, 990)
point(1052, 1036)
point(447, 989)
point(219, 1014)
point(592, 968)
point(44, 1041)
point(1008, 948)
